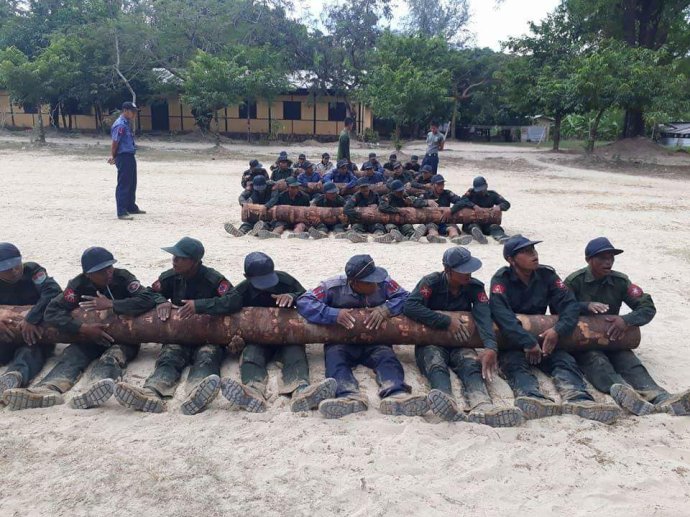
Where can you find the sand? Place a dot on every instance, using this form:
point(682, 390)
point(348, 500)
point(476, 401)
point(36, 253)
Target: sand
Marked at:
point(58, 461)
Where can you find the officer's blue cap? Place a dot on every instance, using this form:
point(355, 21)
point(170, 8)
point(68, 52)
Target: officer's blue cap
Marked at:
point(342, 163)
point(302, 156)
point(95, 259)
point(260, 270)
point(393, 157)
point(460, 260)
point(397, 165)
point(292, 182)
point(259, 183)
point(363, 182)
point(307, 165)
point(329, 187)
point(516, 243)
point(427, 168)
point(397, 186)
point(414, 158)
point(362, 268)
point(372, 155)
point(282, 157)
point(254, 164)
point(9, 256)
point(129, 106)
point(479, 184)
point(600, 245)
point(367, 166)
point(187, 247)
point(437, 178)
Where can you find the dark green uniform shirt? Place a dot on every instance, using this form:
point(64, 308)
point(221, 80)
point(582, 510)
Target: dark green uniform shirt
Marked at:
point(391, 204)
point(129, 298)
point(256, 197)
point(405, 176)
point(357, 200)
point(444, 199)
point(246, 295)
point(510, 296)
point(206, 283)
point(283, 198)
point(472, 198)
point(613, 290)
point(280, 174)
point(34, 287)
point(321, 201)
point(344, 145)
point(432, 294)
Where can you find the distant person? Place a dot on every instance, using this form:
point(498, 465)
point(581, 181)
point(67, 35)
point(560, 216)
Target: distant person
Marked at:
point(434, 144)
point(122, 153)
point(344, 140)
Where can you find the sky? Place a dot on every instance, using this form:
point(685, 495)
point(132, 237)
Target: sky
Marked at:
point(489, 24)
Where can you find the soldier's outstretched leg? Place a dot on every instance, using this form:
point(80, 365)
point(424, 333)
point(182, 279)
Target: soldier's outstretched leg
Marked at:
point(250, 393)
point(528, 396)
point(455, 237)
point(105, 373)
point(26, 362)
point(339, 361)
point(496, 231)
point(432, 361)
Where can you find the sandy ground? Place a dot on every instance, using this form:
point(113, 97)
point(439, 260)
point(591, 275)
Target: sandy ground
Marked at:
point(57, 201)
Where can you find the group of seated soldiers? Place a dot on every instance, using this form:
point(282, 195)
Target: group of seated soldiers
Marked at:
point(344, 186)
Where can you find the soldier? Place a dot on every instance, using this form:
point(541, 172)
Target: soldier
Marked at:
point(266, 287)
point(261, 192)
point(526, 287)
point(362, 286)
point(391, 203)
point(398, 173)
point(341, 174)
point(100, 287)
point(344, 140)
point(325, 165)
point(309, 175)
point(188, 280)
point(282, 156)
point(423, 179)
point(283, 170)
point(413, 164)
point(434, 143)
point(255, 169)
point(23, 283)
point(329, 199)
point(480, 196)
point(375, 165)
point(301, 160)
point(371, 176)
point(293, 196)
point(443, 198)
point(392, 160)
point(600, 290)
point(364, 197)
point(122, 153)
point(454, 289)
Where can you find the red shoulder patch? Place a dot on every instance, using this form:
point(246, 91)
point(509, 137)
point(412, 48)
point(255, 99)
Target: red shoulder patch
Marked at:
point(121, 130)
point(133, 286)
point(393, 286)
point(70, 296)
point(426, 292)
point(560, 284)
point(635, 291)
point(498, 289)
point(319, 293)
point(157, 286)
point(223, 287)
point(482, 297)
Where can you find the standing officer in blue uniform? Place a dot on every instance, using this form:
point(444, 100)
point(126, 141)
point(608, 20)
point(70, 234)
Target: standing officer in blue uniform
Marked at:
point(122, 153)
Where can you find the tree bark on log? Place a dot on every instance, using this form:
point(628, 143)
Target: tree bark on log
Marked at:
point(378, 188)
point(315, 215)
point(271, 326)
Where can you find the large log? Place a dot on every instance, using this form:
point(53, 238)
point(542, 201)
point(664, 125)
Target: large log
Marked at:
point(315, 215)
point(287, 327)
point(379, 188)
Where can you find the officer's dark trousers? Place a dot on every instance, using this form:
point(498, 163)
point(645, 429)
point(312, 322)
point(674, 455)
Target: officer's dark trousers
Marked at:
point(434, 362)
point(126, 190)
point(495, 230)
point(172, 359)
point(560, 365)
point(26, 360)
point(442, 228)
point(340, 359)
point(246, 228)
point(76, 358)
point(604, 369)
point(431, 159)
point(293, 359)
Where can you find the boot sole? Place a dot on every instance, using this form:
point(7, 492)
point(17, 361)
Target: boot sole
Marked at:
point(9, 382)
point(507, 417)
point(416, 406)
point(479, 236)
point(265, 234)
point(234, 392)
point(324, 390)
point(316, 234)
point(604, 413)
point(533, 409)
point(629, 399)
point(229, 228)
point(338, 408)
point(462, 241)
point(681, 406)
point(441, 406)
point(399, 237)
point(97, 394)
point(436, 240)
point(202, 395)
point(18, 399)
point(131, 398)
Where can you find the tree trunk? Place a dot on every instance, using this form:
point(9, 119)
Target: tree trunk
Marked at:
point(41, 136)
point(558, 120)
point(281, 327)
point(396, 137)
point(593, 128)
point(453, 119)
point(217, 123)
point(634, 123)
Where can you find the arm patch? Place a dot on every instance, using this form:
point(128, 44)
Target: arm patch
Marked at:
point(635, 291)
point(498, 289)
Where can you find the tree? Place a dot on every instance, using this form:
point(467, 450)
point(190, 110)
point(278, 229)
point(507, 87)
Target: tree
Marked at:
point(446, 19)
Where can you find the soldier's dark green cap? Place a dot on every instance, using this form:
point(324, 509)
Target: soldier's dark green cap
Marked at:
point(460, 260)
point(95, 259)
point(292, 182)
point(600, 245)
point(307, 165)
point(427, 168)
point(283, 157)
point(302, 156)
point(363, 182)
point(259, 270)
point(187, 247)
point(341, 163)
point(516, 243)
point(397, 186)
point(325, 155)
point(479, 184)
point(259, 183)
point(330, 187)
point(10, 257)
point(414, 158)
point(363, 268)
point(397, 165)
point(393, 157)
point(437, 178)
point(254, 164)
point(372, 155)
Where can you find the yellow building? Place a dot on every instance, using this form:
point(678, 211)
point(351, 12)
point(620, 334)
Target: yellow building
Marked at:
point(299, 114)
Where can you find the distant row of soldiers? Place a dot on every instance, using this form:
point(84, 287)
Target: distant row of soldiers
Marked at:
point(310, 188)
point(524, 286)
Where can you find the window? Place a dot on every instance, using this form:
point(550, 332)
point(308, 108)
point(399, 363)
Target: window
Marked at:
point(29, 108)
point(248, 110)
point(336, 111)
point(292, 110)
